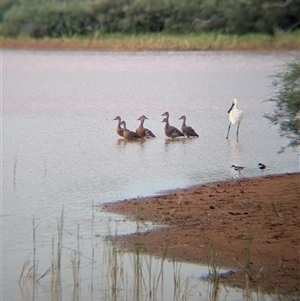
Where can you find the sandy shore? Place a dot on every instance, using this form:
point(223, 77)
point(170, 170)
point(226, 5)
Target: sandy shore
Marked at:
point(256, 216)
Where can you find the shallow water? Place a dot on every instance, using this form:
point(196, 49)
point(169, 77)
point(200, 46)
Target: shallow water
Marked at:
point(60, 148)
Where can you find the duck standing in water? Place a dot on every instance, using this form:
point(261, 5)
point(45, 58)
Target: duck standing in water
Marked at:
point(171, 131)
point(187, 130)
point(235, 117)
point(119, 130)
point(144, 132)
point(129, 135)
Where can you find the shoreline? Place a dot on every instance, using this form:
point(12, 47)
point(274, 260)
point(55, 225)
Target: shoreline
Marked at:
point(252, 224)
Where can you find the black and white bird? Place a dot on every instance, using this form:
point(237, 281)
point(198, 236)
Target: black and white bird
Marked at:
point(237, 168)
point(262, 167)
point(235, 117)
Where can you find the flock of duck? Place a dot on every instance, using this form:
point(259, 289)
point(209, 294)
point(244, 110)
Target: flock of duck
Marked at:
point(235, 117)
point(141, 132)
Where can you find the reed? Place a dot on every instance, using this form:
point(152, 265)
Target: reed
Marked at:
point(57, 274)
point(93, 251)
point(252, 278)
point(114, 266)
point(214, 275)
point(76, 268)
point(15, 169)
point(275, 209)
point(34, 260)
point(182, 287)
point(140, 281)
point(168, 217)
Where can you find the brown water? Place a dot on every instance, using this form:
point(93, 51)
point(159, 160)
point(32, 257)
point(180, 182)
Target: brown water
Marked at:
point(60, 149)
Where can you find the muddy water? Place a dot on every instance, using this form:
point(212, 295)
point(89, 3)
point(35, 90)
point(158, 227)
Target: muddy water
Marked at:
point(60, 151)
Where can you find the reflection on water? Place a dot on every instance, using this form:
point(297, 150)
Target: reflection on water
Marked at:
point(60, 147)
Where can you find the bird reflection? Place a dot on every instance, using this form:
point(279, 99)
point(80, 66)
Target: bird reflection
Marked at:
point(235, 147)
point(121, 142)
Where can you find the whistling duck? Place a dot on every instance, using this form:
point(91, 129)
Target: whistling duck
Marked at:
point(187, 130)
point(235, 117)
point(129, 135)
point(171, 131)
point(119, 130)
point(141, 131)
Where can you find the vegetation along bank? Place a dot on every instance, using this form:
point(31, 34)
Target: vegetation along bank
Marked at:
point(151, 24)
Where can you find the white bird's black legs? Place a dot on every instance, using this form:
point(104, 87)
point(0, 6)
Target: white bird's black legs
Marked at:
point(237, 132)
point(228, 130)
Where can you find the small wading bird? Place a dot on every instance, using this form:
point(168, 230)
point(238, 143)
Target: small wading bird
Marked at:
point(237, 168)
point(170, 131)
point(235, 117)
point(261, 167)
point(144, 132)
point(119, 130)
point(187, 130)
point(129, 135)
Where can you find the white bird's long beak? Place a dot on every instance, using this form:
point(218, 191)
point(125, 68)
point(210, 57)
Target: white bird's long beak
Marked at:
point(230, 108)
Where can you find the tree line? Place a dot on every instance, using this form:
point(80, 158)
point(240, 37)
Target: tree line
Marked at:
point(57, 18)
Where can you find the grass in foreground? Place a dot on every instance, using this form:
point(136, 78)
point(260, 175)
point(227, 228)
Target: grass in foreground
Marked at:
point(140, 280)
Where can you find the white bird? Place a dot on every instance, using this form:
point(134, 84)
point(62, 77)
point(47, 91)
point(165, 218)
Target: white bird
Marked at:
point(235, 117)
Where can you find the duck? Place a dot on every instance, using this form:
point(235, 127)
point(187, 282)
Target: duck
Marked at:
point(144, 132)
point(235, 117)
point(171, 131)
point(187, 130)
point(119, 129)
point(129, 135)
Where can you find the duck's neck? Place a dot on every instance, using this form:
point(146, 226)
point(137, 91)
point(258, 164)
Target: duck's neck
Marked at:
point(119, 125)
point(142, 123)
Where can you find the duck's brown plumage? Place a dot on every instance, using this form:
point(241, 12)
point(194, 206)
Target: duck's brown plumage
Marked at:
point(187, 130)
point(129, 135)
point(171, 131)
point(144, 132)
point(119, 130)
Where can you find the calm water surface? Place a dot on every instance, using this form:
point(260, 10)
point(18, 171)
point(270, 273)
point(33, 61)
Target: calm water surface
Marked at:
point(60, 148)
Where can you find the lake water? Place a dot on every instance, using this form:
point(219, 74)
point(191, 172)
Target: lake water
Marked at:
point(60, 150)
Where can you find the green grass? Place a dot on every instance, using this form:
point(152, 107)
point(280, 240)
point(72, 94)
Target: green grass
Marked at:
point(162, 42)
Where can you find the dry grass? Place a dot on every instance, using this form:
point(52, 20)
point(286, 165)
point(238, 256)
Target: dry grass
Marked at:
point(161, 42)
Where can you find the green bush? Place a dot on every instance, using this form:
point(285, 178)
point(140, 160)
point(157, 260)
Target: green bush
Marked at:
point(39, 18)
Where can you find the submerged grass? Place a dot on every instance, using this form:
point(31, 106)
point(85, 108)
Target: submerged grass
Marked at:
point(142, 280)
point(161, 42)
